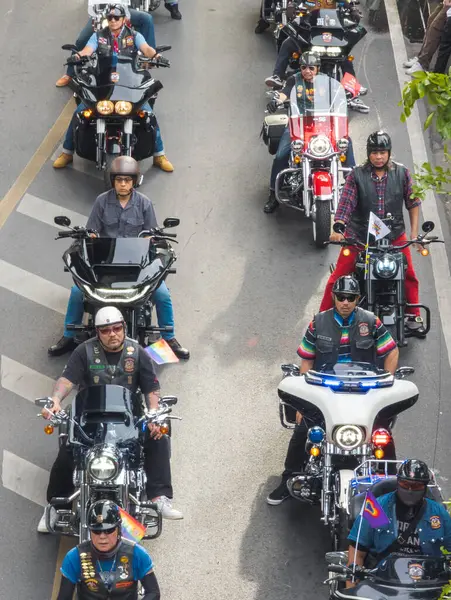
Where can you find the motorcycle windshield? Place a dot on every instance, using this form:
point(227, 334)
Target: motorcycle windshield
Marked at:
point(351, 369)
point(119, 262)
point(327, 98)
point(107, 414)
point(117, 82)
point(419, 570)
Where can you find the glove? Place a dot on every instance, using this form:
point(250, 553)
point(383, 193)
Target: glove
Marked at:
point(73, 60)
point(163, 62)
point(274, 104)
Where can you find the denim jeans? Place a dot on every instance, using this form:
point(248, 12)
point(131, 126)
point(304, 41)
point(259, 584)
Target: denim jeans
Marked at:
point(69, 142)
point(161, 298)
point(141, 21)
point(283, 154)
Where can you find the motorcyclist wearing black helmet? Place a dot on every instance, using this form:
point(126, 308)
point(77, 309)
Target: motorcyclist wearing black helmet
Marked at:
point(121, 212)
point(418, 524)
point(381, 186)
point(107, 565)
point(309, 63)
point(344, 333)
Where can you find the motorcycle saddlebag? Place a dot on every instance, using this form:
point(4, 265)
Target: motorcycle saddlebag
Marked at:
point(85, 142)
point(145, 139)
point(273, 128)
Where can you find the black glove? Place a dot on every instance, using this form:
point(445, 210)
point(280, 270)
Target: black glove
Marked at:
point(163, 62)
point(73, 60)
point(273, 106)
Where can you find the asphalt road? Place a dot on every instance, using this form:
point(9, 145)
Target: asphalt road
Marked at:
point(246, 285)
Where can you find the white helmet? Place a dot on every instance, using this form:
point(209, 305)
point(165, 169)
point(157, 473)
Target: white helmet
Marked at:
point(107, 316)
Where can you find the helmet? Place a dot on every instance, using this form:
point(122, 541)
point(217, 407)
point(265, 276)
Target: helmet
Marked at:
point(107, 316)
point(124, 165)
point(379, 140)
point(414, 470)
point(346, 285)
point(117, 10)
point(309, 59)
point(104, 515)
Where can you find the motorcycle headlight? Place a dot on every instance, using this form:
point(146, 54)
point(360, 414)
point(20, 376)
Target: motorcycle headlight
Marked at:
point(343, 144)
point(386, 267)
point(297, 146)
point(348, 437)
point(116, 296)
point(333, 51)
point(103, 467)
point(320, 146)
point(123, 108)
point(318, 50)
point(105, 107)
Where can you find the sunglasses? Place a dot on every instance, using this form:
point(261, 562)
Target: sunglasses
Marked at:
point(306, 67)
point(114, 17)
point(109, 330)
point(415, 486)
point(344, 297)
point(105, 531)
point(123, 179)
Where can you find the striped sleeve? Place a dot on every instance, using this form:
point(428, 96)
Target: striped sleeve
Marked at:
point(307, 349)
point(384, 341)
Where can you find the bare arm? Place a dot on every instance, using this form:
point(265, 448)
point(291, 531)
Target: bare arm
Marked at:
point(357, 558)
point(391, 361)
point(62, 389)
point(148, 51)
point(152, 400)
point(87, 51)
point(306, 365)
point(414, 216)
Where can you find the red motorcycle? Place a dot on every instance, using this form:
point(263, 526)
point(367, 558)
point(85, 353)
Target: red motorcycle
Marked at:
point(319, 142)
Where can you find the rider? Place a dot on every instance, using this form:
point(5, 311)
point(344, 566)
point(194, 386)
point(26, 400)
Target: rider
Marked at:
point(121, 212)
point(381, 186)
point(107, 565)
point(113, 358)
point(418, 525)
point(337, 335)
point(139, 20)
point(115, 39)
point(304, 81)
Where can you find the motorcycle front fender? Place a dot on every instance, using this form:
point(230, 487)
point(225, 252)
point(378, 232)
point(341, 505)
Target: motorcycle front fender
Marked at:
point(322, 185)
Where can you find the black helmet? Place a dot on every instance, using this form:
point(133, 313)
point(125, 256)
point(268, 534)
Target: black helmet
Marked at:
point(346, 285)
point(414, 470)
point(309, 59)
point(104, 515)
point(124, 165)
point(379, 140)
point(117, 10)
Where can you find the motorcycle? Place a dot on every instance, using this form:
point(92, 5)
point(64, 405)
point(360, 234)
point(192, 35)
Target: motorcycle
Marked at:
point(381, 272)
point(319, 141)
point(104, 428)
point(121, 272)
point(114, 122)
point(145, 5)
point(350, 410)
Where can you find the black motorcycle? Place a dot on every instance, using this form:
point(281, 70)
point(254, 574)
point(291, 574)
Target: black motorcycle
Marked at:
point(121, 272)
point(114, 122)
point(381, 273)
point(105, 430)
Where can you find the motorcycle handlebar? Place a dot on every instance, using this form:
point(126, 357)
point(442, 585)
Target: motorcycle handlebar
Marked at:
point(361, 245)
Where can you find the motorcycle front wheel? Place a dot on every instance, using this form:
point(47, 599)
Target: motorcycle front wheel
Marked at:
point(340, 532)
point(321, 224)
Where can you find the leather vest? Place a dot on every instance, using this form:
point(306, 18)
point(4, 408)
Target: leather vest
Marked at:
point(100, 372)
point(328, 337)
point(126, 42)
point(368, 200)
point(92, 586)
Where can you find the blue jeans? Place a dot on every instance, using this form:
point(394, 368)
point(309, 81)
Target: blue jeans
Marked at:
point(69, 142)
point(283, 154)
point(141, 21)
point(161, 298)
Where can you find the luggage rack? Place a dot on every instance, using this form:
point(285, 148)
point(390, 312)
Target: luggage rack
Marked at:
point(371, 472)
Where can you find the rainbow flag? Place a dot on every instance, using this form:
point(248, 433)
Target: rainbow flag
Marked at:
point(373, 512)
point(161, 352)
point(132, 529)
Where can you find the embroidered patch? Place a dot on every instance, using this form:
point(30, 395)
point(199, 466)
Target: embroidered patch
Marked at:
point(103, 40)
point(130, 350)
point(327, 37)
point(124, 584)
point(92, 585)
point(129, 40)
point(435, 522)
point(123, 559)
point(364, 329)
point(96, 379)
point(300, 89)
point(114, 77)
point(129, 365)
point(96, 367)
point(416, 571)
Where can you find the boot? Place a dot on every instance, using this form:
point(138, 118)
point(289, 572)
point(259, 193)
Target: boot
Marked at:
point(63, 81)
point(272, 204)
point(177, 349)
point(261, 26)
point(162, 163)
point(174, 10)
point(414, 327)
point(64, 345)
point(63, 160)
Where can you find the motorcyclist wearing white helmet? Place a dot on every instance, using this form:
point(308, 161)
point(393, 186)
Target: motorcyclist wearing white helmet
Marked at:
point(113, 358)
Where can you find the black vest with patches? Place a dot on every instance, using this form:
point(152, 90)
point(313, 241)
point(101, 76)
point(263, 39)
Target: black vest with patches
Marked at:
point(368, 200)
point(126, 42)
point(100, 372)
point(328, 337)
point(121, 586)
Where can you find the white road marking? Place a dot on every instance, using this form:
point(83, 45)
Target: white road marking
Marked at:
point(24, 478)
point(439, 258)
point(23, 381)
point(312, 306)
point(33, 287)
point(44, 211)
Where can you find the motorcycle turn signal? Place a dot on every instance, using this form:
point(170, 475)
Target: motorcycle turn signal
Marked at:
point(49, 429)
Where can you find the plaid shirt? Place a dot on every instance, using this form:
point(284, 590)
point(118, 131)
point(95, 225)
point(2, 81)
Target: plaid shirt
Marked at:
point(350, 197)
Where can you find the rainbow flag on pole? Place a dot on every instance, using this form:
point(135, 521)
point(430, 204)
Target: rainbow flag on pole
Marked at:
point(373, 512)
point(132, 529)
point(161, 352)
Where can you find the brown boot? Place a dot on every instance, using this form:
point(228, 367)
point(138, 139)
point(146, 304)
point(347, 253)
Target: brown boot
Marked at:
point(162, 163)
point(63, 81)
point(63, 160)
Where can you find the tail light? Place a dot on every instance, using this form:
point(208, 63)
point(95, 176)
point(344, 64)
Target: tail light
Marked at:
point(381, 438)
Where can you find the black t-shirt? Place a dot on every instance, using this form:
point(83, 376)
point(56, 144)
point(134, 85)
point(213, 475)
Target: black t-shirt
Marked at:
point(77, 367)
point(404, 516)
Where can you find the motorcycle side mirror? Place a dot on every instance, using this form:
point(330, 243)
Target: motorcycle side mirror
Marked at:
point(339, 228)
point(171, 222)
point(428, 226)
point(169, 400)
point(402, 372)
point(62, 221)
point(41, 402)
point(336, 558)
point(70, 47)
point(139, 181)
